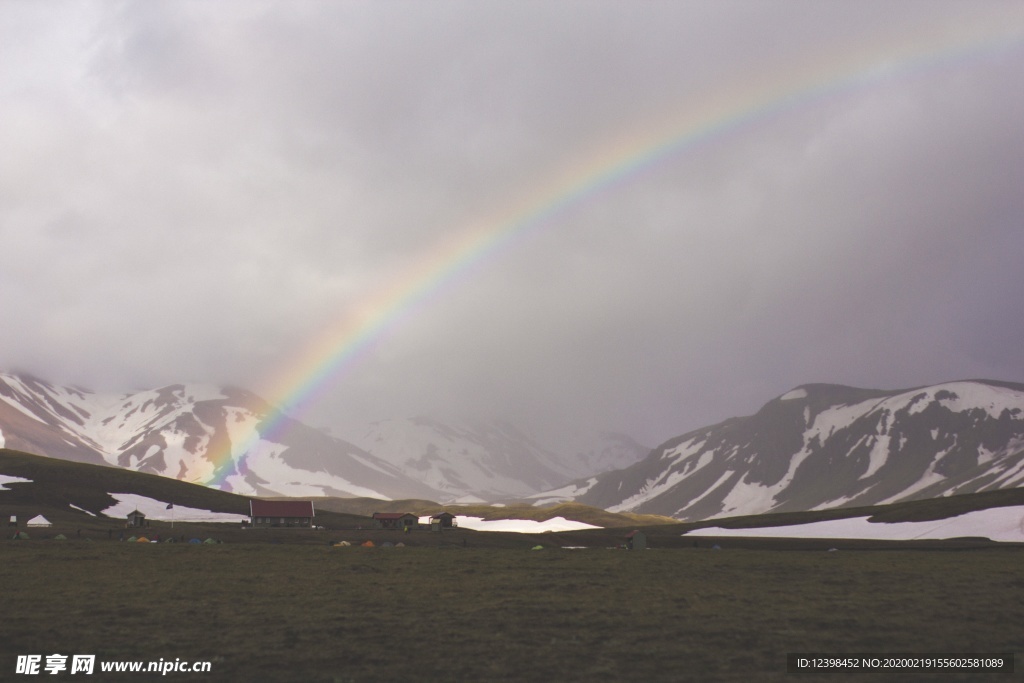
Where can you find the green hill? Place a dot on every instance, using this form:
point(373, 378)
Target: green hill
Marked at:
point(574, 511)
point(57, 485)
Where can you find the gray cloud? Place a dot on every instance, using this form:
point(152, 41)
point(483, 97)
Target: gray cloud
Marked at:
point(194, 192)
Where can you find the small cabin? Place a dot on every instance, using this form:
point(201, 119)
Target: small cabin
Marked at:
point(442, 520)
point(636, 540)
point(14, 521)
point(136, 519)
point(288, 514)
point(394, 520)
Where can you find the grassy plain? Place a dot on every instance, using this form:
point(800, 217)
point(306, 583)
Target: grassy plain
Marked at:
point(293, 612)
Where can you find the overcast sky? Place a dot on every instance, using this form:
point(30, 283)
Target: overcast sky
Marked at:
point(193, 191)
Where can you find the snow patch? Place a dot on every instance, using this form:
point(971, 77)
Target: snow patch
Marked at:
point(794, 394)
point(998, 524)
point(709, 491)
point(839, 417)
point(468, 499)
point(878, 455)
point(157, 510)
point(748, 499)
point(521, 526)
point(370, 464)
point(929, 477)
point(5, 479)
point(684, 449)
point(704, 460)
point(17, 405)
point(72, 505)
point(567, 492)
point(652, 489)
point(263, 459)
point(1013, 475)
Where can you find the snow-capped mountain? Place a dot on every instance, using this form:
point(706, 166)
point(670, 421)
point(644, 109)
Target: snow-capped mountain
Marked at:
point(489, 460)
point(590, 454)
point(233, 439)
point(822, 446)
point(222, 436)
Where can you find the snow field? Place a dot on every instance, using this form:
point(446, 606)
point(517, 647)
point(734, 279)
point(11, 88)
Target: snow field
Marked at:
point(997, 524)
point(6, 479)
point(157, 509)
point(520, 526)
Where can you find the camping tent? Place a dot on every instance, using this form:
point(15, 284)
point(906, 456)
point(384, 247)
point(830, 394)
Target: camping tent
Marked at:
point(209, 541)
point(142, 539)
point(194, 540)
point(39, 520)
point(20, 536)
point(368, 544)
point(60, 537)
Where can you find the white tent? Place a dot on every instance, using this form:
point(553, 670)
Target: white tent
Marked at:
point(39, 520)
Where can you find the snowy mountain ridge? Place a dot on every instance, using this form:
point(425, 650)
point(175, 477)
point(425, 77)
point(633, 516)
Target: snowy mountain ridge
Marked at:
point(221, 435)
point(492, 459)
point(197, 433)
point(823, 446)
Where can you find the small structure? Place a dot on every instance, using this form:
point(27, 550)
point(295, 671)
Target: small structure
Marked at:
point(39, 520)
point(636, 540)
point(394, 520)
point(136, 519)
point(442, 520)
point(14, 521)
point(288, 514)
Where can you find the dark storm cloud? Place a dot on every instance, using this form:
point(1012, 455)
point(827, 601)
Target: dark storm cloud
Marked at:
point(192, 191)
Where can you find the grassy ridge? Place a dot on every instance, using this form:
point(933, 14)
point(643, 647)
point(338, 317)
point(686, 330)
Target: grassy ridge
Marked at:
point(909, 511)
point(58, 484)
point(288, 613)
point(574, 511)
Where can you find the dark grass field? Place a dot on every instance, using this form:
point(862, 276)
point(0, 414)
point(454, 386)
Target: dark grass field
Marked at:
point(294, 612)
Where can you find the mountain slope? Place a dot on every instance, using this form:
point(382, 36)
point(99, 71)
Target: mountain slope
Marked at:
point(822, 446)
point(480, 460)
point(491, 460)
point(218, 435)
point(233, 439)
point(76, 495)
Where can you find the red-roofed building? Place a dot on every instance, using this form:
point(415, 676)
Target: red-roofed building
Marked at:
point(281, 513)
point(394, 520)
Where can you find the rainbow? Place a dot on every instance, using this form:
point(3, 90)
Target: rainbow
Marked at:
point(619, 161)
